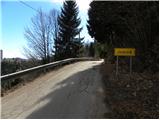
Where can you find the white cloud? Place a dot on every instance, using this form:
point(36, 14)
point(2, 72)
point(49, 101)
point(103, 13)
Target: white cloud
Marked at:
point(57, 1)
point(12, 54)
point(83, 4)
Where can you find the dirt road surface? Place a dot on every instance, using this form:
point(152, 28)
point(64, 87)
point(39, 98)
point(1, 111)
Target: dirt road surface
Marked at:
point(73, 91)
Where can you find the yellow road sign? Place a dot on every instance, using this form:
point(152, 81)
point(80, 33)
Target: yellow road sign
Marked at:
point(124, 51)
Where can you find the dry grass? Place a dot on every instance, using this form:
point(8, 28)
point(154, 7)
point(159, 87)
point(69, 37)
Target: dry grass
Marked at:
point(131, 97)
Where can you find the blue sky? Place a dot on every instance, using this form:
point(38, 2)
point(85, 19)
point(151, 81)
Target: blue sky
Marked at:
point(15, 16)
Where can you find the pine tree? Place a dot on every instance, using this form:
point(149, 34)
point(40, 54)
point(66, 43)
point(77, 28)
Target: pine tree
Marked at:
point(68, 43)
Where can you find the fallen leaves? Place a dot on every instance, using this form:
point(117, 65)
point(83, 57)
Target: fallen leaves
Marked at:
point(131, 96)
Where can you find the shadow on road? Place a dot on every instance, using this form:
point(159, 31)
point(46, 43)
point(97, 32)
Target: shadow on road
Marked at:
point(71, 98)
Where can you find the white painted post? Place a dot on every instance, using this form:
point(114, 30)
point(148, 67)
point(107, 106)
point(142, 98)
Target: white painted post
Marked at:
point(117, 66)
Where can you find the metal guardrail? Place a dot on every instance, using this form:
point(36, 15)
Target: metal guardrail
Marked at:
point(10, 80)
point(41, 67)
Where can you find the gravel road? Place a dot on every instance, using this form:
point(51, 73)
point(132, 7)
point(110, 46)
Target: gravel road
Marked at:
point(73, 91)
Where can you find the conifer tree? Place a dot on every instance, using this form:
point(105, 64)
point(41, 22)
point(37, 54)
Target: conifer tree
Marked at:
point(68, 42)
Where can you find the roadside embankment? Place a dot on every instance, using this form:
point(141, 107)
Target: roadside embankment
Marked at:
point(130, 97)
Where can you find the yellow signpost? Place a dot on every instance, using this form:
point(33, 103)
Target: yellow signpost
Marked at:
point(124, 52)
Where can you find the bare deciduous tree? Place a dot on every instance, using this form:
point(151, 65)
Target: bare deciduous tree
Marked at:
point(40, 36)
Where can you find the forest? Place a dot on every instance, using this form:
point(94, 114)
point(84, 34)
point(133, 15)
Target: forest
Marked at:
point(126, 24)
